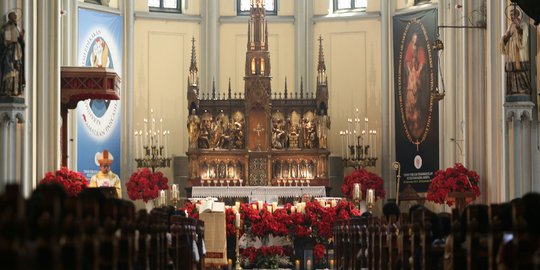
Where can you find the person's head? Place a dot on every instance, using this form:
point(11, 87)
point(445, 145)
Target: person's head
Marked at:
point(515, 15)
point(414, 38)
point(105, 160)
point(12, 16)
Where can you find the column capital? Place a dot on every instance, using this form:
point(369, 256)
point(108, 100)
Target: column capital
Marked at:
point(12, 112)
point(520, 111)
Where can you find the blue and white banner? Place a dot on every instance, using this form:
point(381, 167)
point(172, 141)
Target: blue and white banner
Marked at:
point(99, 121)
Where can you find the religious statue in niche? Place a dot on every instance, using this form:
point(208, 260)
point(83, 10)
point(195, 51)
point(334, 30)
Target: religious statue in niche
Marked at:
point(237, 136)
point(221, 132)
point(205, 134)
point(193, 125)
point(308, 130)
point(515, 45)
point(293, 123)
point(279, 135)
point(323, 125)
point(11, 58)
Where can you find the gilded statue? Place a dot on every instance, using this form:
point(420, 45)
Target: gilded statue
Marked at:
point(193, 125)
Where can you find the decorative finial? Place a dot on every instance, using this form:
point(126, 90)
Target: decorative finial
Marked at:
point(301, 87)
point(213, 88)
point(286, 93)
point(230, 88)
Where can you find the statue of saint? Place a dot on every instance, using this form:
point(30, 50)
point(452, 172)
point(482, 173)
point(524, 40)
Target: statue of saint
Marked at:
point(11, 58)
point(515, 45)
point(193, 129)
point(323, 125)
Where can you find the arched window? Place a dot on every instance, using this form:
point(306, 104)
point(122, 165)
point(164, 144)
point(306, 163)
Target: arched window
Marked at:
point(243, 7)
point(165, 6)
point(347, 5)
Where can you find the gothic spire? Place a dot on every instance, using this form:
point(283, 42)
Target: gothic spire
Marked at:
point(213, 88)
point(321, 74)
point(193, 78)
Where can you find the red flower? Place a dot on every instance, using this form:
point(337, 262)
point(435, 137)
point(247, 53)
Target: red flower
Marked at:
point(146, 185)
point(453, 179)
point(367, 180)
point(73, 182)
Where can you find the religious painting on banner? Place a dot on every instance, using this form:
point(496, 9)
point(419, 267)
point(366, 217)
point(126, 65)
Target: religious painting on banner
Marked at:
point(99, 121)
point(416, 111)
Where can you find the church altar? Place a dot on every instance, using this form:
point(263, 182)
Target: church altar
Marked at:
point(263, 135)
point(258, 192)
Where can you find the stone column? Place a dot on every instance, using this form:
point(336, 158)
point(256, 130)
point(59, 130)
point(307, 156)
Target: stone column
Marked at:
point(11, 113)
point(47, 87)
point(519, 114)
point(5, 147)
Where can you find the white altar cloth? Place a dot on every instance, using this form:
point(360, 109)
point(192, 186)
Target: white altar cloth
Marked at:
point(258, 192)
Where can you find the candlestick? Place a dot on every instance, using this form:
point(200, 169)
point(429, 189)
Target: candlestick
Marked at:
point(297, 265)
point(229, 264)
point(332, 263)
point(238, 266)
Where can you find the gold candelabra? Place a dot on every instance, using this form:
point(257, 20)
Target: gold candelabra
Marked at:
point(154, 143)
point(358, 146)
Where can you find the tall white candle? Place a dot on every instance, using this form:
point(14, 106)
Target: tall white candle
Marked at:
point(370, 137)
point(238, 220)
point(363, 142)
point(370, 196)
point(356, 192)
point(162, 198)
point(141, 144)
point(174, 191)
point(136, 144)
point(347, 145)
point(161, 129)
point(145, 130)
point(366, 124)
point(374, 143)
point(341, 135)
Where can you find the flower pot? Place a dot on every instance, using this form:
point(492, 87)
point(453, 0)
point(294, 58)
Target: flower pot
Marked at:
point(149, 205)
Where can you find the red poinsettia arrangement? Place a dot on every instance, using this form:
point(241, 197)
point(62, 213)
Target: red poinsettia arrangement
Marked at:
point(453, 179)
point(367, 180)
point(73, 182)
point(145, 185)
point(270, 257)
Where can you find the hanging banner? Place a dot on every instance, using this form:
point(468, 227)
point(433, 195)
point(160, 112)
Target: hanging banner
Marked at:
point(416, 112)
point(98, 121)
